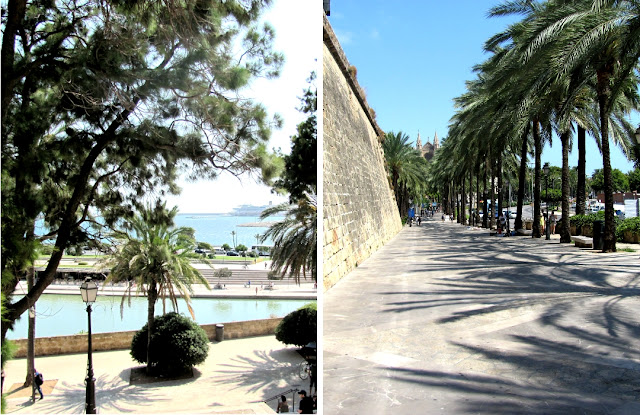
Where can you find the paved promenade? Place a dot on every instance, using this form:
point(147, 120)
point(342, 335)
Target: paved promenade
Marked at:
point(235, 378)
point(448, 320)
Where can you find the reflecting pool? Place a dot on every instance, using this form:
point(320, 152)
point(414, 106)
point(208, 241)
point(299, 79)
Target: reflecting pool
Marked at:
point(60, 315)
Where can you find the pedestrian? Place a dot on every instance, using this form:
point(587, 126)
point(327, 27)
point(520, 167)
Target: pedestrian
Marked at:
point(256, 290)
point(38, 380)
point(283, 406)
point(249, 283)
point(2, 386)
point(553, 220)
point(306, 403)
point(313, 384)
point(502, 223)
point(265, 264)
point(541, 222)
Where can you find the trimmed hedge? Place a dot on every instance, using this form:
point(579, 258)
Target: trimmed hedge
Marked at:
point(177, 344)
point(300, 327)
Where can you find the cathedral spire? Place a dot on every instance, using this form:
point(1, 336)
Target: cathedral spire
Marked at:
point(418, 142)
point(436, 143)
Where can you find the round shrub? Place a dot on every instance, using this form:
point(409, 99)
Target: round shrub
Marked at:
point(299, 327)
point(177, 344)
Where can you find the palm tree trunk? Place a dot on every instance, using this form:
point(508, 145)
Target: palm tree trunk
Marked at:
point(500, 189)
point(152, 296)
point(581, 192)
point(485, 207)
point(471, 218)
point(537, 140)
point(492, 220)
point(604, 95)
point(522, 178)
point(565, 232)
point(477, 215)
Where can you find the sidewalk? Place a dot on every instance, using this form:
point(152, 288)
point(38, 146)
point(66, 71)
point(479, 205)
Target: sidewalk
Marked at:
point(446, 319)
point(236, 377)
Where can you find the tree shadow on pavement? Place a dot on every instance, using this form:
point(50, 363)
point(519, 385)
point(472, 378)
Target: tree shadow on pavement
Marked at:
point(579, 353)
point(487, 394)
point(271, 372)
point(112, 395)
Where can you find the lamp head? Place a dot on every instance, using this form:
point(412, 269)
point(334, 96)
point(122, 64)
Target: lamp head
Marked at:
point(89, 291)
point(545, 168)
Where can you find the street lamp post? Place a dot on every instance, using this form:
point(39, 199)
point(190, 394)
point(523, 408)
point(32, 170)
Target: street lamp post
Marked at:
point(546, 181)
point(89, 291)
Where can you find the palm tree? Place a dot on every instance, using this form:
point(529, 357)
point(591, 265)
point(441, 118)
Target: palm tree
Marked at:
point(155, 260)
point(294, 249)
point(233, 239)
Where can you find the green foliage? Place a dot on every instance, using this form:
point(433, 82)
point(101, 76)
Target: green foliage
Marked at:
point(620, 181)
point(156, 255)
point(104, 103)
point(273, 275)
point(300, 174)
point(222, 273)
point(294, 250)
point(226, 247)
point(242, 248)
point(205, 245)
point(630, 225)
point(579, 220)
point(634, 179)
point(177, 344)
point(300, 326)
point(253, 254)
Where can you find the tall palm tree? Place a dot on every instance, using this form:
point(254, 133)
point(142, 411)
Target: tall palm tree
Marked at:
point(406, 169)
point(154, 260)
point(294, 249)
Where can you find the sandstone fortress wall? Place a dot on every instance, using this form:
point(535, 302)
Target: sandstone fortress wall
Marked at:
point(360, 213)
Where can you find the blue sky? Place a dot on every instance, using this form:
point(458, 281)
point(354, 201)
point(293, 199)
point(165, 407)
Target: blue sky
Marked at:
point(298, 28)
point(413, 58)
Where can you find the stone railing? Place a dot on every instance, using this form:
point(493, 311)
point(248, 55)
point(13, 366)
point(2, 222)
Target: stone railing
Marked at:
point(77, 343)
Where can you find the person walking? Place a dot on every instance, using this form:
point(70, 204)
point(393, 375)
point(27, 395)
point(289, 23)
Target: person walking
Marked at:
point(283, 406)
point(306, 403)
point(38, 380)
point(553, 219)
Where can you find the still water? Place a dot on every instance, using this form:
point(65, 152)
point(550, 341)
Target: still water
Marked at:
point(59, 315)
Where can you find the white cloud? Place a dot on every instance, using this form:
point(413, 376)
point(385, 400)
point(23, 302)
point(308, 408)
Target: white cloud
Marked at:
point(298, 27)
point(344, 37)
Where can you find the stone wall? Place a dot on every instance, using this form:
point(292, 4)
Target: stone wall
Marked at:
point(77, 343)
point(360, 213)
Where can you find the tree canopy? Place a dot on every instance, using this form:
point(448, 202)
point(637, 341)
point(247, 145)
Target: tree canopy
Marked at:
point(106, 102)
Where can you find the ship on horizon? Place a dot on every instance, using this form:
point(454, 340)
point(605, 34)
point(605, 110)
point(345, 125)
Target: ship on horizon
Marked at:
point(250, 210)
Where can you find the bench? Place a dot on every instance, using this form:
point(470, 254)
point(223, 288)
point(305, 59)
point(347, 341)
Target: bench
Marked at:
point(582, 241)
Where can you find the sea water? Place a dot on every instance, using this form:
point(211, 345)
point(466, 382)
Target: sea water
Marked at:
point(216, 228)
point(60, 315)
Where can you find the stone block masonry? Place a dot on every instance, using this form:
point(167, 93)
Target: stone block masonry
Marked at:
point(77, 343)
point(360, 213)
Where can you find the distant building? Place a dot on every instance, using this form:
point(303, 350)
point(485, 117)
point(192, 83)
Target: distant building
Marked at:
point(428, 150)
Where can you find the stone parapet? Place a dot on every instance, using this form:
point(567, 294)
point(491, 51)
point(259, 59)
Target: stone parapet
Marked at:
point(77, 343)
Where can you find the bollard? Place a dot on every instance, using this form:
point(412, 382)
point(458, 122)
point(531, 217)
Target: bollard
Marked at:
point(219, 332)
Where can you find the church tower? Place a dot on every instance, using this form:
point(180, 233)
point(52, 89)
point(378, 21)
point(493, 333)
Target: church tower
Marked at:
point(419, 143)
point(436, 143)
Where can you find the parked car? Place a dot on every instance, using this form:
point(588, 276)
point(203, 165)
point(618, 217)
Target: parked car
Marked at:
point(220, 252)
point(199, 251)
point(264, 253)
point(232, 253)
